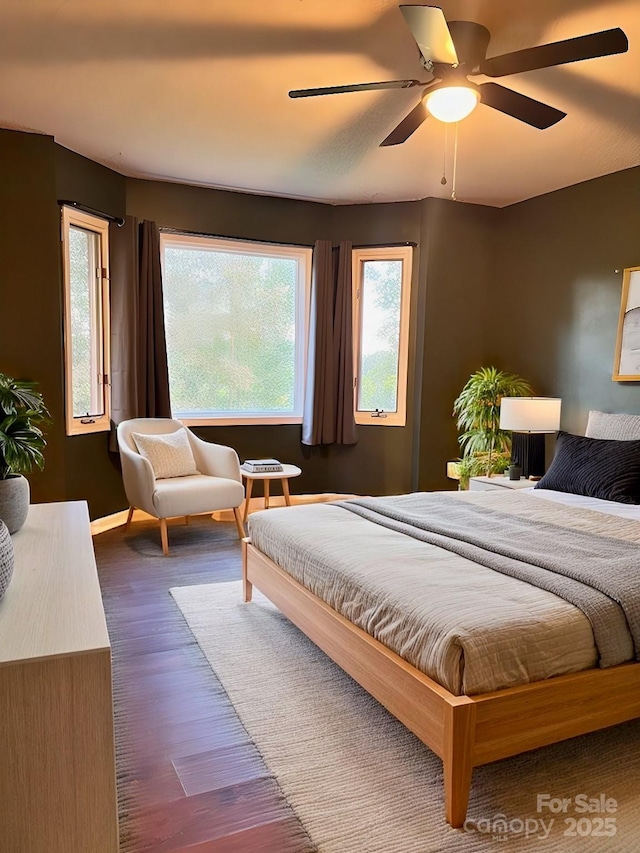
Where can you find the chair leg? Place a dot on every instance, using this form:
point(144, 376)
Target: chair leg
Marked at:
point(186, 520)
point(164, 536)
point(238, 518)
point(129, 517)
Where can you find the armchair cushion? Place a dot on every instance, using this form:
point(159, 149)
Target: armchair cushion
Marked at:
point(169, 454)
point(192, 495)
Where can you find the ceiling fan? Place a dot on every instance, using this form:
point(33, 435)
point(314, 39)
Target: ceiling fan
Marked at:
point(454, 51)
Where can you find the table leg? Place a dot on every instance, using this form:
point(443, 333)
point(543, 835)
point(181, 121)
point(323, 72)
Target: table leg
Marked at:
point(285, 491)
point(247, 500)
point(266, 494)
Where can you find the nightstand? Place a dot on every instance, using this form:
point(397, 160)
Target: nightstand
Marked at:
point(284, 475)
point(485, 484)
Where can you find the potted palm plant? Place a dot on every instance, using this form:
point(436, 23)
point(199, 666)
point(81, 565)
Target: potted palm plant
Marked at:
point(485, 447)
point(22, 413)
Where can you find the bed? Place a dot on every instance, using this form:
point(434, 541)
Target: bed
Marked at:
point(481, 691)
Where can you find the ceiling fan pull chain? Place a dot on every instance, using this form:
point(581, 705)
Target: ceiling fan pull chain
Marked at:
point(455, 164)
point(443, 179)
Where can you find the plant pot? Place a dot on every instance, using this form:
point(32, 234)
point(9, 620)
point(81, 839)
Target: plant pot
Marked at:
point(6, 558)
point(14, 501)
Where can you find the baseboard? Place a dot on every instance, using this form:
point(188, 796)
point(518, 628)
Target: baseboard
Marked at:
point(119, 519)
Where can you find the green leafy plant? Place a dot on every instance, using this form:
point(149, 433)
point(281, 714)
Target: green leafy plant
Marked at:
point(22, 412)
point(477, 409)
point(482, 464)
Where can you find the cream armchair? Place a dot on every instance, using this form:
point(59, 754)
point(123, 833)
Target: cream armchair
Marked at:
point(218, 485)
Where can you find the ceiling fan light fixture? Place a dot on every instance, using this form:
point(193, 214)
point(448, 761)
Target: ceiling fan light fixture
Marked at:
point(452, 103)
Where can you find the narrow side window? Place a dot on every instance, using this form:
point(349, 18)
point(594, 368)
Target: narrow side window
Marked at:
point(381, 302)
point(85, 248)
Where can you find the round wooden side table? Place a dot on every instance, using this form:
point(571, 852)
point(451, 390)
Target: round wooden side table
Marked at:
point(284, 476)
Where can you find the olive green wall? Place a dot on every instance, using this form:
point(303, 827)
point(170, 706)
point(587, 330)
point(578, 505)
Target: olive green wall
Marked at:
point(81, 180)
point(555, 299)
point(459, 251)
point(30, 295)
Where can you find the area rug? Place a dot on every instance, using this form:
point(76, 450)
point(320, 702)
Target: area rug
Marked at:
point(361, 783)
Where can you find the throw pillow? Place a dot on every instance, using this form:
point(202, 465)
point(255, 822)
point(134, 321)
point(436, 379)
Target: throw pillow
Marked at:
point(595, 467)
point(170, 453)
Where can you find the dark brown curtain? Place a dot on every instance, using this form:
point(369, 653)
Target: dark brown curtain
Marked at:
point(139, 372)
point(152, 368)
point(328, 414)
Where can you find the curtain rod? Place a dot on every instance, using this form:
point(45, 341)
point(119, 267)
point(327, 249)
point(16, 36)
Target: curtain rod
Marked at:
point(275, 242)
point(387, 245)
point(119, 221)
point(236, 239)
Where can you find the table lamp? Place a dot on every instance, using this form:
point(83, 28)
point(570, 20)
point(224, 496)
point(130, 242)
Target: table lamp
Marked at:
point(529, 418)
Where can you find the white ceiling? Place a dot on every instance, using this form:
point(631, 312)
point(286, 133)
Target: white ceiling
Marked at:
point(196, 92)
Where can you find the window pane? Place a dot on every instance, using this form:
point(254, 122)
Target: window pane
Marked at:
point(86, 349)
point(231, 331)
point(380, 299)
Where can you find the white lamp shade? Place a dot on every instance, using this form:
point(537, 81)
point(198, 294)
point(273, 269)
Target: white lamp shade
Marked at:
point(530, 414)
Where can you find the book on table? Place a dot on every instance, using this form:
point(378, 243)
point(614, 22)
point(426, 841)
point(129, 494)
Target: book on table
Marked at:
point(262, 466)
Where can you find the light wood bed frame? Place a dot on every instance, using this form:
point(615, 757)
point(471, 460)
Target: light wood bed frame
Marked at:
point(464, 731)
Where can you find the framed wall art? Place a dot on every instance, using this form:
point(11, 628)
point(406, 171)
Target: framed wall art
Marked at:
point(626, 366)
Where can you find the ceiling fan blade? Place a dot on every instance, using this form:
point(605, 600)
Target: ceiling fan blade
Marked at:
point(471, 41)
point(605, 43)
point(409, 124)
point(429, 28)
point(355, 87)
point(519, 106)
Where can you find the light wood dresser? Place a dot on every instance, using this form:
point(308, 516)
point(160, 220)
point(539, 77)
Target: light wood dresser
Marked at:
point(57, 768)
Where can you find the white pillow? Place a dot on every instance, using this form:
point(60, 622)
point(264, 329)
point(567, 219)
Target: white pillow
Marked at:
point(618, 427)
point(170, 453)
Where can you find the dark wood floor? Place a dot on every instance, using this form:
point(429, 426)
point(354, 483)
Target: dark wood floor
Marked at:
point(189, 778)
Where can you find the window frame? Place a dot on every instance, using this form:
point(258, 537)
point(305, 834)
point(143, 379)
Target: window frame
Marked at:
point(81, 424)
point(304, 257)
point(359, 258)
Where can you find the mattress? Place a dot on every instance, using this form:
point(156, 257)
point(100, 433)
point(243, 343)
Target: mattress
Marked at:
point(469, 628)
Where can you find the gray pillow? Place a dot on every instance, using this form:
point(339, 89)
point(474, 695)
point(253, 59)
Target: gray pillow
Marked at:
point(618, 427)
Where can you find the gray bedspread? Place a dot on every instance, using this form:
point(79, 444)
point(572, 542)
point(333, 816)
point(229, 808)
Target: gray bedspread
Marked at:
point(472, 628)
point(600, 575)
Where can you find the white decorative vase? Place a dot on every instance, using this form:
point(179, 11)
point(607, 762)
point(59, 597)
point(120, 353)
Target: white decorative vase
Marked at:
point(6, 558)
point(14, 501)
